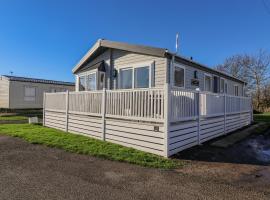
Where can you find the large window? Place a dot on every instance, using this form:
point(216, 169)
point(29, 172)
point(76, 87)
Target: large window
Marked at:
point(141, 76)
point(126, 78)
point(137, 76)
point(179, 76)
point(207, 83)
point(91, 82)
point(29, 93)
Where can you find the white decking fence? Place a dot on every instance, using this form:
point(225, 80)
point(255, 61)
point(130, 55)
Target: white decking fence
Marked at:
point(162, 121)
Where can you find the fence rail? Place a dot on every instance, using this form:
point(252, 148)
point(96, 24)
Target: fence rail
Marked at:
point(206, 115)
point(138, 104)
point(148, 104)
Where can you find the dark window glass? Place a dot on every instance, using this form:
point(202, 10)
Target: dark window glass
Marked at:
point(179, 77)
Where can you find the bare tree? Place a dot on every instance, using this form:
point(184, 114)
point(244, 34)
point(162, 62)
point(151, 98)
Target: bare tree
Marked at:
point(253, 69)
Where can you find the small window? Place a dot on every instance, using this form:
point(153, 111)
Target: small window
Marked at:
point(82, 83)
point(91, 82)
point(222, 85)
point(141, 76)
point(126, 78)
point(236, 90)
point(29, 93)
point(179, 76)
point(207, 83)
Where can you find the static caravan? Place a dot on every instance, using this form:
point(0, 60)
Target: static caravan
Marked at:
point(148, 98)
point(27, 93)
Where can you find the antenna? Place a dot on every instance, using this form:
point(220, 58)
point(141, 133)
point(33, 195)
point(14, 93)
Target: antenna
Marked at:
point(177, 43)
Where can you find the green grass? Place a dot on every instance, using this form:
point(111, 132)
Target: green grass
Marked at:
point(264, 117)
point(12, 118)
point(37, 134)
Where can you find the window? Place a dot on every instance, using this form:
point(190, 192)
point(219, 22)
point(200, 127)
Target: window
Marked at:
point(141, 76)
point(222, 85)
point(137, 76)
point(29, 93)
point(216, 84)
point(236, 90)
point(179, 76)
point(126, 78)
point(207, 83)
point(91, 82)
point(82, 84)
point(87, 82)
point(226, 88)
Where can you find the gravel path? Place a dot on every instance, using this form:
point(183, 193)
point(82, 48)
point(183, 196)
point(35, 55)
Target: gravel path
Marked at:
point(37, 172)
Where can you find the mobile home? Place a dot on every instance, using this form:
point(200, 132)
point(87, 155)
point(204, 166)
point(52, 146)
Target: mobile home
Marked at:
point(27, 93)
point(148, 98)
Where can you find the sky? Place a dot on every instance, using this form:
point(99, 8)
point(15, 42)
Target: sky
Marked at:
point(46, 38)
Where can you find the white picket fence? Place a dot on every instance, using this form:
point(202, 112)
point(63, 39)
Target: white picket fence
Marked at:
point(176, 114)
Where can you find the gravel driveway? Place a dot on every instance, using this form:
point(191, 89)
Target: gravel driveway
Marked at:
point(36, 172)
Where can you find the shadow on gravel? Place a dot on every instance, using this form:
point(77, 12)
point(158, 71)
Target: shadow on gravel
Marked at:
point(255, 149)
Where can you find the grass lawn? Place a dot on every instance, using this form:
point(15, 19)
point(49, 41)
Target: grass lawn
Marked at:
point(12, 118)
point(38, 134)
point(264, 117)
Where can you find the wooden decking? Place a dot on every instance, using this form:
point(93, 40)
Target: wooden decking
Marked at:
point(160, 121)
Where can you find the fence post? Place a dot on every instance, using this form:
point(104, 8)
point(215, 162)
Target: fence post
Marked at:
point(44, 105)
point(199, 116)
point(225, 112)
point(167, 117)
point(103, 110)
point(67, 108)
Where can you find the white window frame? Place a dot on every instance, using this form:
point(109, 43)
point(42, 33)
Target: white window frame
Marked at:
point(120, 77)
point(85, 74)
point(234, 91)
point(176, 65)
point(150, 64)
point(33, 87)
point(211, 80)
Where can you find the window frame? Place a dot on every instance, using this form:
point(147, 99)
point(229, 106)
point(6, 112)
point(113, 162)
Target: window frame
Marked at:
point(211, 80)
point(96, 80)
point(85, 74)
point(32, 87)
point(224, 91)
point(176, 65)
point(120, 78)
point(150, 65)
